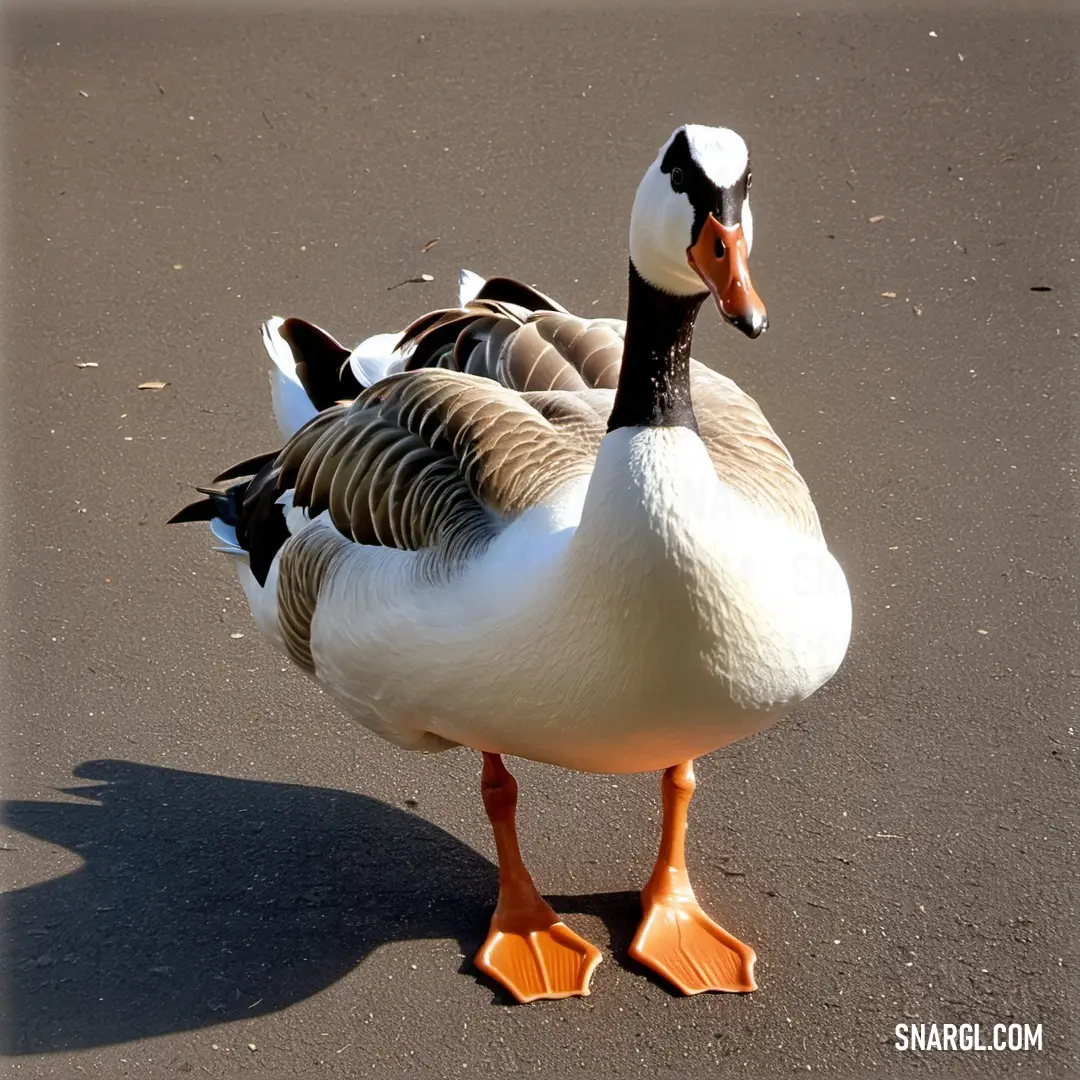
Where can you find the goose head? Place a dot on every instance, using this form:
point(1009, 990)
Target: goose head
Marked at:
point(691, 228)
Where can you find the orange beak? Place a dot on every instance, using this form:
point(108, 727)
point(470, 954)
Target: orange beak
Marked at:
point(719, 259)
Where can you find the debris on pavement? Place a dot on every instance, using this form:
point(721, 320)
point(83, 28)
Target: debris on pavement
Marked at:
point(421, 280)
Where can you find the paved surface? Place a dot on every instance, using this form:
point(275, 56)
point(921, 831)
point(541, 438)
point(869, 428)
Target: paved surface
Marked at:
point(203, 854)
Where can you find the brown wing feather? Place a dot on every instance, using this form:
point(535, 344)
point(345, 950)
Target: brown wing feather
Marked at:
point(581, 415)
point(746, 453)
point(437, 459)
point(526, 348)
point(555, 351)
point(499, 407)
point(516, 292)
point(440, 460)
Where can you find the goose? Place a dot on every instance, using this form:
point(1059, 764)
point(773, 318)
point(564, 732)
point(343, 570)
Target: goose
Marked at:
point(528, 533)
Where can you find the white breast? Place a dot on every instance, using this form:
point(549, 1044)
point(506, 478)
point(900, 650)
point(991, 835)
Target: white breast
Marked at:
point(650, 616)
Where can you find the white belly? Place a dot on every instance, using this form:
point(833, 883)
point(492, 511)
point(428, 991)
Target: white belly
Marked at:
point(615, 646)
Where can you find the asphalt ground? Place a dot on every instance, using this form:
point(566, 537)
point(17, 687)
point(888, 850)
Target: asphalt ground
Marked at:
point(208, 869)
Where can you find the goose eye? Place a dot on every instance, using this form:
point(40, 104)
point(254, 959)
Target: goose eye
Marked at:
point(676, 179)
point(749, 180)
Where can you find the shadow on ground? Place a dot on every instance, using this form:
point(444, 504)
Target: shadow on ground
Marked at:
point(204, 899)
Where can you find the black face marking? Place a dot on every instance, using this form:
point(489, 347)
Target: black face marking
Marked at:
point(705, 197)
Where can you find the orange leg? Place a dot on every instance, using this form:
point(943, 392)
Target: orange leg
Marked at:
point(676, 938)
point(529, 950)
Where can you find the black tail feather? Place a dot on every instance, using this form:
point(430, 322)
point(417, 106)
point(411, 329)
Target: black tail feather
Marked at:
point(248, 467)
point(220, 502)
point(250, 506)
point(202, 510)
point(512, 291)
point(321, 363)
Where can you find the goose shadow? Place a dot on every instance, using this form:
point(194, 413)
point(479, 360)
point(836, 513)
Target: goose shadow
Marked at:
point(204, 899)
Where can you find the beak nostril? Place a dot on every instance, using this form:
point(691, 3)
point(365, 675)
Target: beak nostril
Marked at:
point(720, 251)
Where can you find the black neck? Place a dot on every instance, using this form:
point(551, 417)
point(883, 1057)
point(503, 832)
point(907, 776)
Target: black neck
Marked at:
point(654, 383)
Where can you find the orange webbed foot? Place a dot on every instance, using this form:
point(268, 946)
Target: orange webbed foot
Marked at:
point(680, 942)
point(528, 949)
point(535, 955)
point(676, 938)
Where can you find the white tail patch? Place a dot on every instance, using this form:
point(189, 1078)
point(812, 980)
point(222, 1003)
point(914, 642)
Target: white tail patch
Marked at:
point(296, 517)
point(374, 358)
point(292, 407)
point(469, 284)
